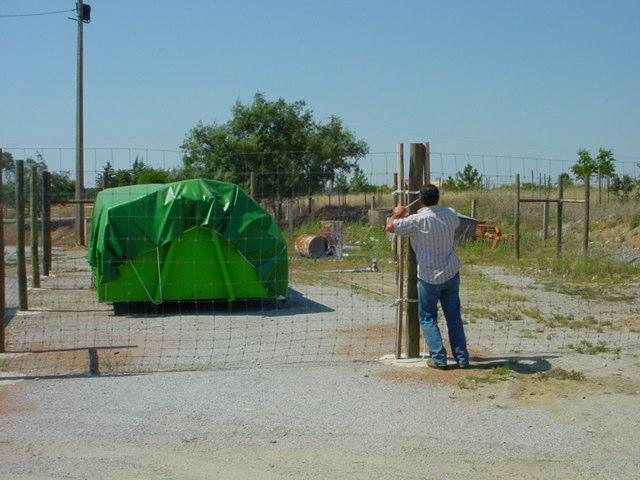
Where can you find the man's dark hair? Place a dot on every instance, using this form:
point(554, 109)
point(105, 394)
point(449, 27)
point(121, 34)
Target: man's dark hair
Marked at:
point(429, 195)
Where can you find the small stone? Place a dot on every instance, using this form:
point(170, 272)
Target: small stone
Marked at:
point(492, 396)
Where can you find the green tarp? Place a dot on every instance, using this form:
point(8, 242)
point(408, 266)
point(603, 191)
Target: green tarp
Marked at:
point(142, 221)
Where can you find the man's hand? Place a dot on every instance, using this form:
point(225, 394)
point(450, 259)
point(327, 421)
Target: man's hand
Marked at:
point(398, 212)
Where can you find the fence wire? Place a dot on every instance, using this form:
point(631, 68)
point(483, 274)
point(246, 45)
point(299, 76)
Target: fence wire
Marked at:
point(339, 307)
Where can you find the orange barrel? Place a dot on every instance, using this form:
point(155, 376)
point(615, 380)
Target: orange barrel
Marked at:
point(311, 246)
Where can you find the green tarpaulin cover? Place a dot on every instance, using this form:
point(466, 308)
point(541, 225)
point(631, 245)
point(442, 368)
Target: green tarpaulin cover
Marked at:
point(129, 222)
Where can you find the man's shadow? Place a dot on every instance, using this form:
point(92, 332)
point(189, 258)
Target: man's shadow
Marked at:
point(524, 364)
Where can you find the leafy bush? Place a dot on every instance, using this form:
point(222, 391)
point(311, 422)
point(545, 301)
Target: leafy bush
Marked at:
point(622, 186)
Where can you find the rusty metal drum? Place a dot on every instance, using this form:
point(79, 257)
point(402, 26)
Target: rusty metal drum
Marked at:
point(311, 246)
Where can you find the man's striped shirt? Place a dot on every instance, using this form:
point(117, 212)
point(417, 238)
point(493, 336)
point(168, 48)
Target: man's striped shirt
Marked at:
point(431, 232)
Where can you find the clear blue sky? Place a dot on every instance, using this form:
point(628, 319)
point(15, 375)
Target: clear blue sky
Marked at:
point(540, 78)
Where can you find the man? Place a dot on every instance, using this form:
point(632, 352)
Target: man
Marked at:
point(431, 231)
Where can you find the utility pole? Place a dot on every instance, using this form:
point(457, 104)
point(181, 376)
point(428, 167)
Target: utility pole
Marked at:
point(82, 16)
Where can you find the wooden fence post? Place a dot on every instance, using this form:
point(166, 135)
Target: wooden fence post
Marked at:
point(397, 187)
point(516, 226)
point(290, 214)
point(474, 207)
point(2, 295)
point(33, 210)
point(417, 159)
point(87, 226)
point(545, 220)
point(585, 235)
point(252, 185)
point(20, 254)
point(397, 244)
point(46, 223)
point(559, 219)
point(312, 206)
point(426, 176)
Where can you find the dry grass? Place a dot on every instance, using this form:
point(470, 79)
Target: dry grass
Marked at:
point(61, 235)
point(57, 211)
point(632, 323)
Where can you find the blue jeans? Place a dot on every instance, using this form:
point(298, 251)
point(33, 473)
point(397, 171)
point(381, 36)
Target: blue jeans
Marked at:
point(447, 293)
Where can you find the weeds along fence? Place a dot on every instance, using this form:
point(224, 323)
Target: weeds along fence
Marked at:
point(215, 287)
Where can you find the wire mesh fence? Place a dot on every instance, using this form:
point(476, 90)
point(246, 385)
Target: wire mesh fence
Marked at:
point(276, 268)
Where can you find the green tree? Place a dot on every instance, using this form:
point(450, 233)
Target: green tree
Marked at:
point(62, 187)
point(605, 163)
point(585, 166)
point(605, 168)
point(152, 175)
point(137, 167)
point(139, 173)
point(8, 174)
point(106, 178)
point(567, 181)
point(122, 178)
point(341, 184)
point(9, 180)
point(358, 182)
point(622, 186)
point(466, 179)
point(290, 151)
point(469, 177)
point(8, 166)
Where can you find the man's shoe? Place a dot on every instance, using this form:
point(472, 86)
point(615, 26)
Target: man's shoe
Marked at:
point(437, 366)
point(464, 366)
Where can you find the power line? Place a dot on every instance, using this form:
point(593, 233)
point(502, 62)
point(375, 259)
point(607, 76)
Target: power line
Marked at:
point(36, 14)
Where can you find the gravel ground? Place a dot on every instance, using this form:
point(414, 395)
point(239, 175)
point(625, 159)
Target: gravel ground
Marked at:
point(307, 422)
point(296, 390)
point(68, 332)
